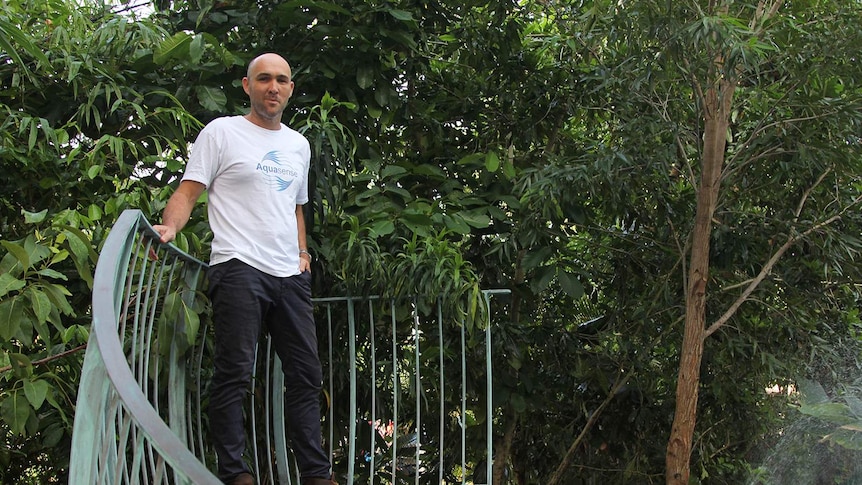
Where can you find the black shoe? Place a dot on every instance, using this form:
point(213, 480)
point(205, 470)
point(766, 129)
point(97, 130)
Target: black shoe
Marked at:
point(243, 479)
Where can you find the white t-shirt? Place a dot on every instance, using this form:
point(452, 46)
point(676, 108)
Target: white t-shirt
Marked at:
point(255, 178)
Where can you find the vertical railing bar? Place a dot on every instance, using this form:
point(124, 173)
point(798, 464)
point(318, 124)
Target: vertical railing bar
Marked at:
point(489, 409)
point(373, 468)
point(149, 310)
point(115, 410)
point(268, 392)
point(252, 414)
point(128, 290)
point(197, 415)
point(146, 345)
point(417, 415)
point(462, 418)
point(126, 304)
point(138, 458)
point(276, 400)
point(442, 390)
point(131, 264)
point(396, 387)
point(139, 301)
point(119, 462)
point(178, 365)
point(160, 471)
point(159, 300)
point(146, 330)
point(136, 357)
point(351, 325)
point(331, 385)
point(295, 470)
point(190, 279)
point(124, 432)
point(153, 294)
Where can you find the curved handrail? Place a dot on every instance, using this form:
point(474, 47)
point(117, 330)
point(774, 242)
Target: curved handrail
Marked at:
point(111, 272)
point(131, 427)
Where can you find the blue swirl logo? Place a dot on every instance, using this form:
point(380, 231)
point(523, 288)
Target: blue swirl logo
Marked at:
point(275, 173)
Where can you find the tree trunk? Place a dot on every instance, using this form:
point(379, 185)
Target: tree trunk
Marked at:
point(717, 102)
point(503, 449)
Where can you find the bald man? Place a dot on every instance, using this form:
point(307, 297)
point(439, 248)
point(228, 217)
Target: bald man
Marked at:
point(255, 171)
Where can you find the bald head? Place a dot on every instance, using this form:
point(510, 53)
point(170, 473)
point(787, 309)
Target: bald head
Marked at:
point(269, 85)
point(268, 58)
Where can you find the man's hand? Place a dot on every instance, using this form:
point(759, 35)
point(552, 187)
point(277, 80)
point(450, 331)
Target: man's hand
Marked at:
point(304, 263)
point(168, 233)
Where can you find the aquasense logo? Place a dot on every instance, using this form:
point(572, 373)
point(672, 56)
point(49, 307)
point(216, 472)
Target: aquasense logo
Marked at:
point(273, 168)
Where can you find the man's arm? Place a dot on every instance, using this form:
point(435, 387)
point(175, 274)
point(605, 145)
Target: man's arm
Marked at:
point(304, 256)
point(179, 209)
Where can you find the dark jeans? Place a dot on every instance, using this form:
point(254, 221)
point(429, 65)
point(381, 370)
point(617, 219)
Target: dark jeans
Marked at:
point(245, 303)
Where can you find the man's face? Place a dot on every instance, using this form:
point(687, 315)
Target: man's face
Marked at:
point(269, 87)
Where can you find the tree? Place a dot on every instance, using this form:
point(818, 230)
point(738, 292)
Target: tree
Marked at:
point(601, 159)
point(87, 121)
point(745, 78)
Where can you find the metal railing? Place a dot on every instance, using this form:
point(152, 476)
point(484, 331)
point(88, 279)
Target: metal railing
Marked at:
point(406, 388)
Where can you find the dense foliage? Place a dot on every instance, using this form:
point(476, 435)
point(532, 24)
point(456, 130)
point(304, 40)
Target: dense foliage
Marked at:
point(552, 148)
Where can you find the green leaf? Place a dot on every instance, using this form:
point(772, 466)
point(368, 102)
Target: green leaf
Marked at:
point(536, 257)
point(94, 212)
point(192, 324)
point(472, 160)
point(40, 304)
point(509, 169)
point(476, 218)
point(211, 98)
point(36, 391)
point(15, 411)
point(11, 317)
point(830, 411)
point(174, 47)
point(9, 283)
point(492, 161)
point(19, 252)
point(519, 405)
point(456, 223)
point(542, 279)
point(50, 273)
point(80, 246)
point(382, 228)
point(392, 171)
point(571, 285)
point(402, 15)
point(34, 217)
point(57, 294)
point(365, 76)
point(94, 171)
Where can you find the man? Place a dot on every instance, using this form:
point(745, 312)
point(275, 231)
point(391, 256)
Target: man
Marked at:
point(255, 170)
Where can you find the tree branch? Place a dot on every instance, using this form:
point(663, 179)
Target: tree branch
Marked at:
point(807, 193)
point(50, 358)
point(567, 460)
point(767, 268)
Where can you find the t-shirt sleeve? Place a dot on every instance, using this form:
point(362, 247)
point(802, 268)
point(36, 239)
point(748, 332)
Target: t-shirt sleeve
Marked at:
point(302, 194)
point(202, 165)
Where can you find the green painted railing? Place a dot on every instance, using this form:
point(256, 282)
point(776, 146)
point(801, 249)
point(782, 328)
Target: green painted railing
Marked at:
point(408, 390)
